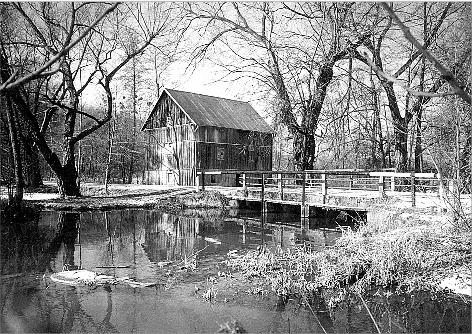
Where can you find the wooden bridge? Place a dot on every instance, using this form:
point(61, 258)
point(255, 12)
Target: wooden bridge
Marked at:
point(350, 190)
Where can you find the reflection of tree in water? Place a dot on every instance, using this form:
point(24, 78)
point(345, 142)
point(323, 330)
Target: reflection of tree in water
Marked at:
point(419, 312)
point(24, 244)
point(27, 303)
point(75, 316)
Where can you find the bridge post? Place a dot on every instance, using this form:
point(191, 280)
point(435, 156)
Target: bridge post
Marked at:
point(197, 182)
point(381, 186)
point(304, 223)
point(280, 186)
point(244, 232)
point(350, 182)
point(413, 190)
point(303, 209)
point(392, 184)
point(324, 187)
point(244, 185)
point(203, 180)
point(442, 204)
point(262, 190)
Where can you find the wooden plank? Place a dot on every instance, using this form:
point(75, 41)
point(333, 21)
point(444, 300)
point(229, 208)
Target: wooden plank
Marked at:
point(405, 175)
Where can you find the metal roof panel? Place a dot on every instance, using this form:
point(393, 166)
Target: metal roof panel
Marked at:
point(207, 110)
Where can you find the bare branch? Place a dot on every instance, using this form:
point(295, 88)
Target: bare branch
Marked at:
point(47, 119)
point(58, 56)
point(394, 80)
point(105, 83)
point(426, 44)
point(448, 76)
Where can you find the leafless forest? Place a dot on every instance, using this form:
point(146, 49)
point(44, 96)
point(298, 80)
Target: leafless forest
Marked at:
point(344, 85)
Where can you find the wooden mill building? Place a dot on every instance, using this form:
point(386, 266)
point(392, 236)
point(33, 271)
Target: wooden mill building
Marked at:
point(188, 132)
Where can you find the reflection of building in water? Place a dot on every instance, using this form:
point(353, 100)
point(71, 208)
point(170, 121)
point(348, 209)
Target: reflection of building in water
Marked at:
point(169, 237)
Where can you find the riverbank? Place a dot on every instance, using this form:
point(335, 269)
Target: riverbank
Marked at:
point(400, 251)
point(94, 197)
point(122, 196)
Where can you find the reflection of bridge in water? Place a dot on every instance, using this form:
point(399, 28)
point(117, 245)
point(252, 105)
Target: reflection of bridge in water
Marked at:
point(140, 238)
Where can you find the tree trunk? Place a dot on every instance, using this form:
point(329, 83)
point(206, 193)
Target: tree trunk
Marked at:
point(304, 151)
point(419, 112)
point(304, 139)
point(401, 148)
point(400, 129)
point(32, 172)
point(17, 162)
point(111, 133)
point(466, 158)
point(377, 127)
point(67, 180)
point(66, 175)
point(133, 143)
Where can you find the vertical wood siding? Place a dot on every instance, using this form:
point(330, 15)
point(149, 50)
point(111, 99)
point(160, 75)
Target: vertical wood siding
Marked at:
point(177, 148)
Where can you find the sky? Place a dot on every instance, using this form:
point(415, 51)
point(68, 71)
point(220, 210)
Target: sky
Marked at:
point(203, 80)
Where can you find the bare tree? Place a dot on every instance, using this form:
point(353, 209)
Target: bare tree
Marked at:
point(102, 54)
point(378, 49)
point(17, 78)
point(447, 74)
point(290, 49)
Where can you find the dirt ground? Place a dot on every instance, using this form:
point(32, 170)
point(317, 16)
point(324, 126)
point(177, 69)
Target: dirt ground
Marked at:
point(95, 197)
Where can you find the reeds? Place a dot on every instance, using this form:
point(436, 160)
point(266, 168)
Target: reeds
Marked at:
point(402, 252)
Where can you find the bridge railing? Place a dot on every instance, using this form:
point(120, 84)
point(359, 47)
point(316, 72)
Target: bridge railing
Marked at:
point(324, 180)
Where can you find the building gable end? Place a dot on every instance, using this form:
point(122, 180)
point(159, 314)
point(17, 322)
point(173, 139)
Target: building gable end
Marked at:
point(154, 116)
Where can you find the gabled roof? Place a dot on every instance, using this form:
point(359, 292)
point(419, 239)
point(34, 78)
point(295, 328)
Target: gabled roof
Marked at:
point(206, 110)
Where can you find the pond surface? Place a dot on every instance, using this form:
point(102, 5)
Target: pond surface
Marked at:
point(184, 254)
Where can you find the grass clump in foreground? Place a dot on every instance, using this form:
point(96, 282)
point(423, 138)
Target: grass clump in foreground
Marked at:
point(404, 251)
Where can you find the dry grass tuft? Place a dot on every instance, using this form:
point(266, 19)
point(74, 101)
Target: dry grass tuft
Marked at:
point(204, 199)
point(401, 251)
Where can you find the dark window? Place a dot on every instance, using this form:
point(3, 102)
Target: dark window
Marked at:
point(220, 153)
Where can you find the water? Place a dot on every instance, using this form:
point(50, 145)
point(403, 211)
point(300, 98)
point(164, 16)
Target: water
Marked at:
point(136, 243)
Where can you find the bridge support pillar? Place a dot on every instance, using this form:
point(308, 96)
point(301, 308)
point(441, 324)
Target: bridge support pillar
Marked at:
point(381, 187)
point(305, 223)
point(305, 211)
point(264, 207)
point(324, 187)
point(280, 186)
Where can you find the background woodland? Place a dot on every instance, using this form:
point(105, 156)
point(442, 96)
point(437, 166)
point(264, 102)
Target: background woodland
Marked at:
point(344, 85)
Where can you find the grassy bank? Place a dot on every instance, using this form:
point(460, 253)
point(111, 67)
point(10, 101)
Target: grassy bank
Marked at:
point(122, 196)
point(404, 250)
